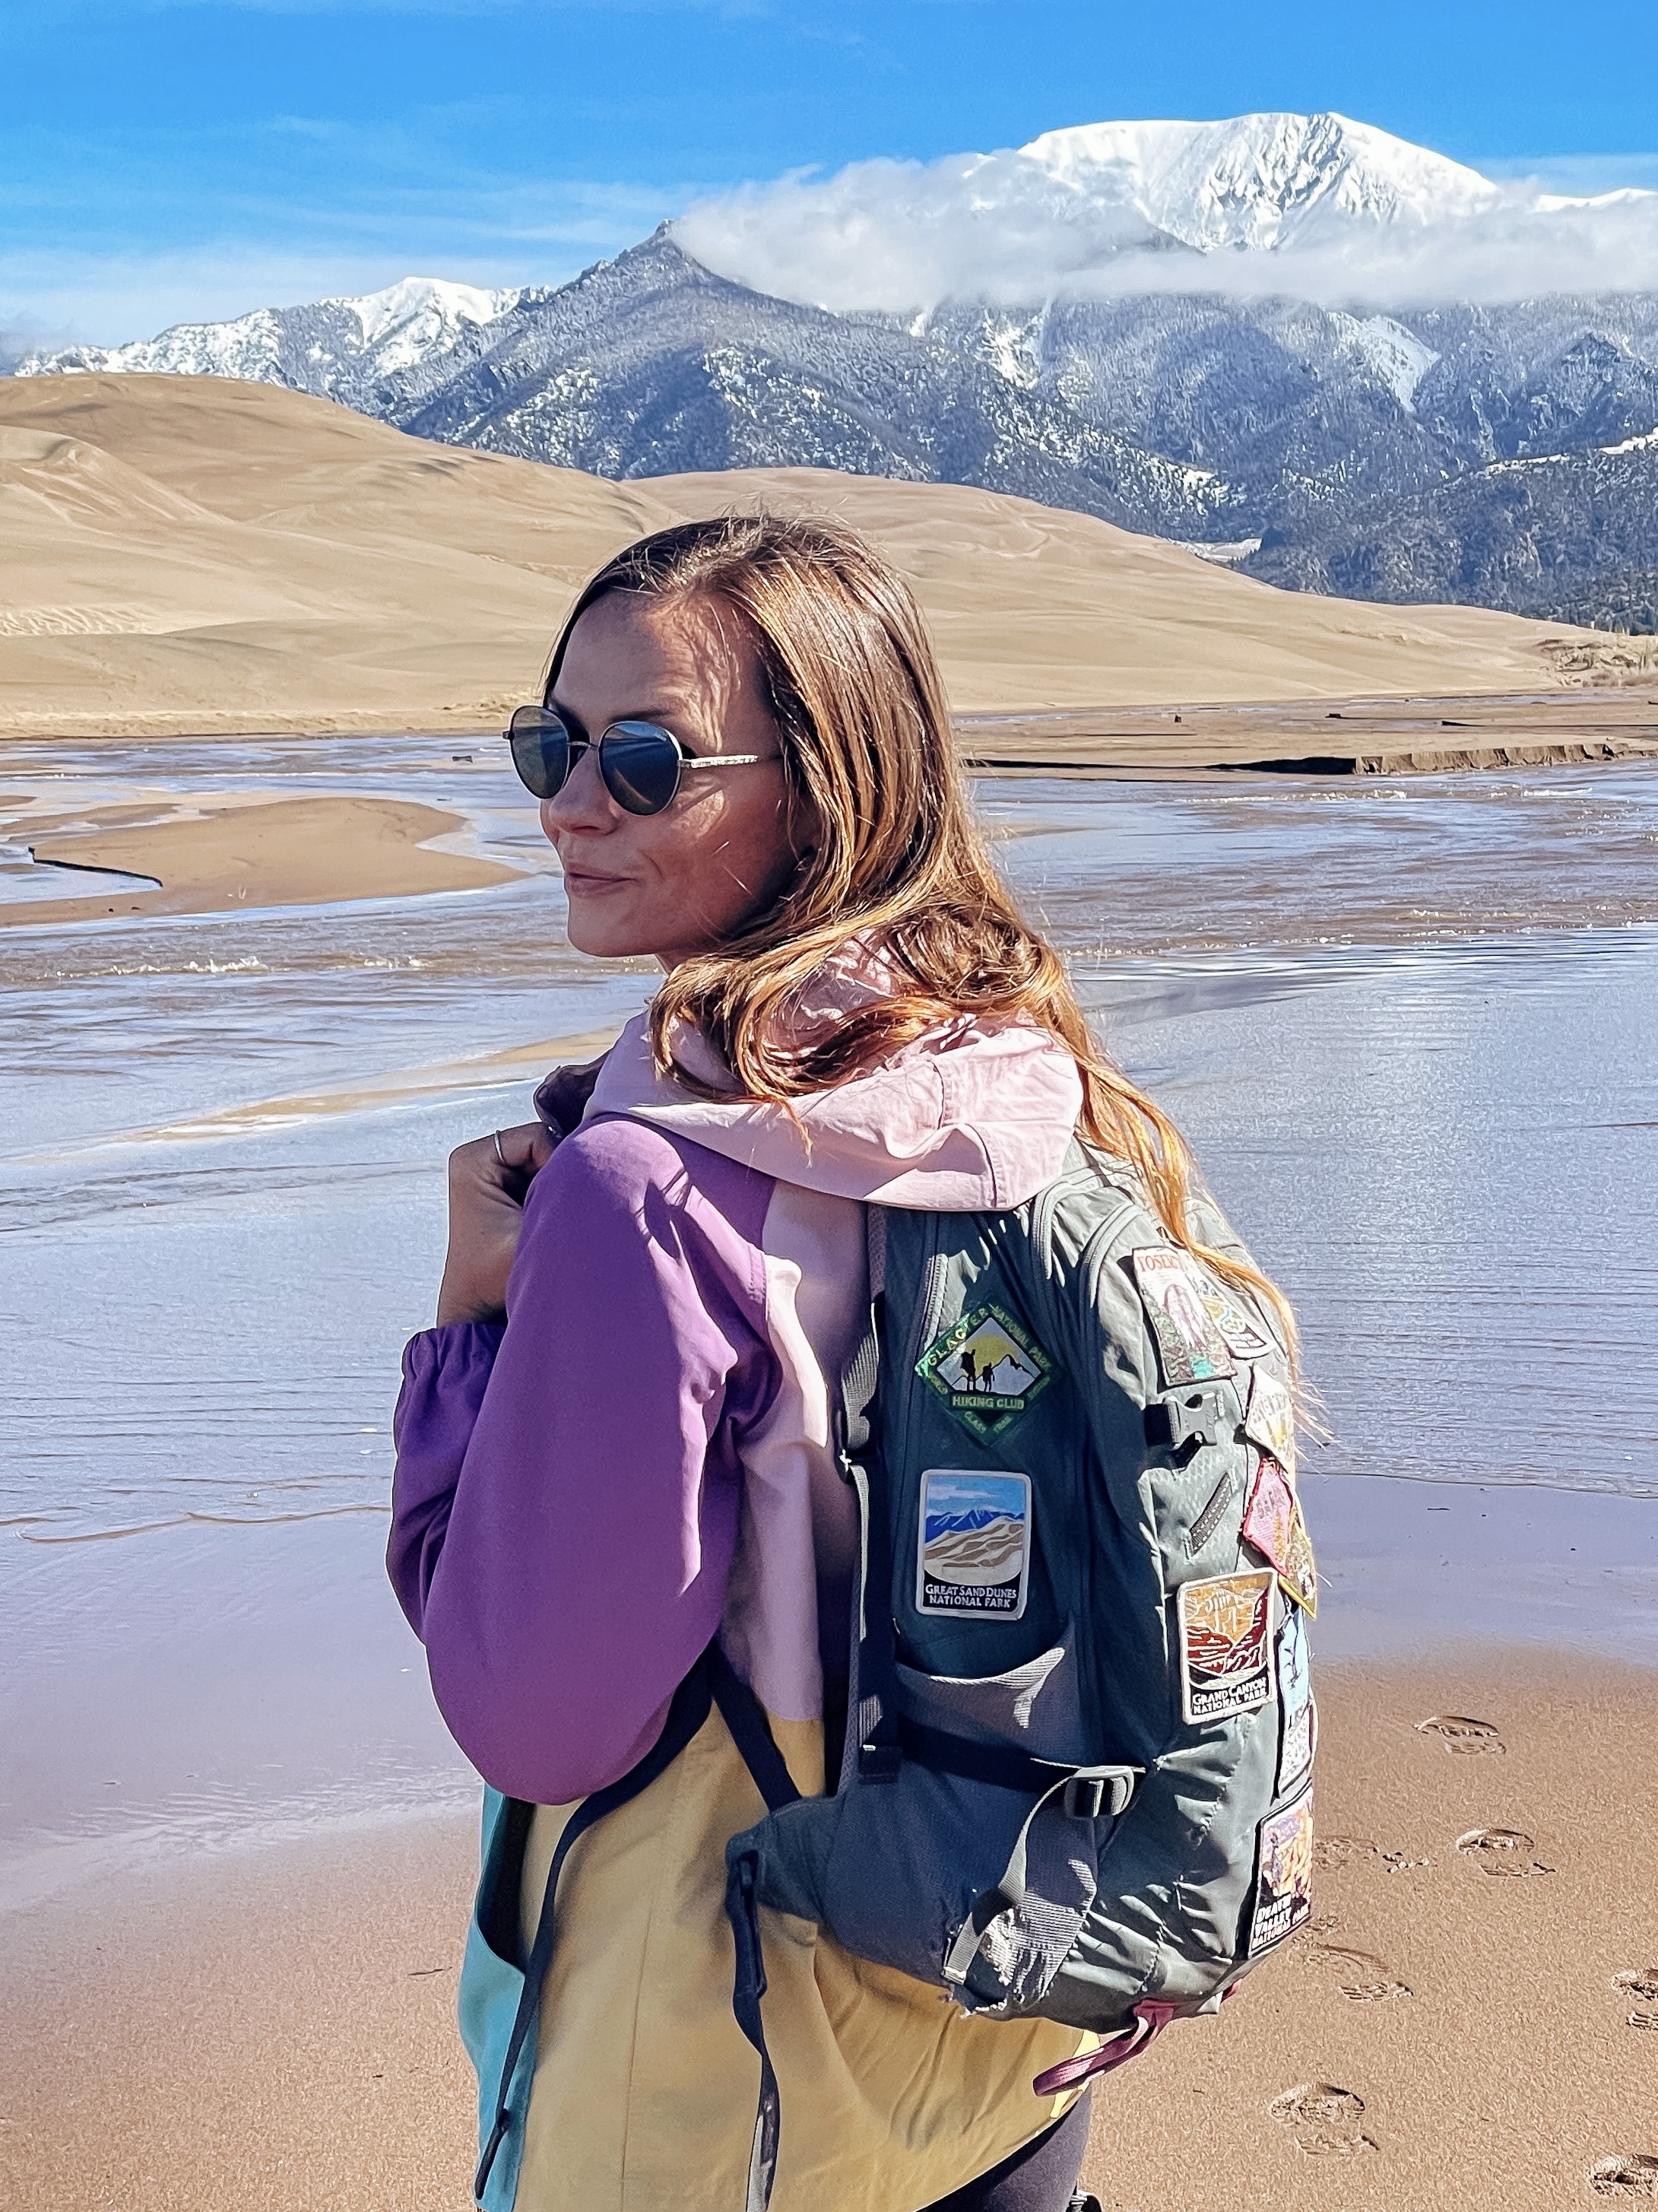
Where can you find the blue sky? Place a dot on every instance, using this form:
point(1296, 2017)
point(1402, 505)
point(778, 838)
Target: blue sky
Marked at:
point(163, 161)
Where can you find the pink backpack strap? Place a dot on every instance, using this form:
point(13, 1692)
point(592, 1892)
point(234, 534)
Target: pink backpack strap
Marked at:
point(1152, 2016)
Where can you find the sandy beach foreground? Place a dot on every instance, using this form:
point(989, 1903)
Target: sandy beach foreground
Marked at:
point(1465, 2022)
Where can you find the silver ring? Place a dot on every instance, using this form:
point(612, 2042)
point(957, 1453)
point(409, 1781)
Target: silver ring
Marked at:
point(500, 1155)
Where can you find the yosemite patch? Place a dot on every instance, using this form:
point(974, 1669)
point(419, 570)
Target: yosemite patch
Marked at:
point(987, 1370)
point(1190, 1346)
point(973, 1543)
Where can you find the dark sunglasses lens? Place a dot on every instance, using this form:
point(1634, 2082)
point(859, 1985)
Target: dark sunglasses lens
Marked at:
point(641, 766)
point(541, 750)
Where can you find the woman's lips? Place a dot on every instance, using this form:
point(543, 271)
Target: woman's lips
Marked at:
point(589, 882)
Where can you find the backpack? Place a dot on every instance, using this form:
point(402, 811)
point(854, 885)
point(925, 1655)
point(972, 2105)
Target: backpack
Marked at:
point(1076, 1782)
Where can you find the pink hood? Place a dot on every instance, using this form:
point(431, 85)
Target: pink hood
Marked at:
point(976, 1116)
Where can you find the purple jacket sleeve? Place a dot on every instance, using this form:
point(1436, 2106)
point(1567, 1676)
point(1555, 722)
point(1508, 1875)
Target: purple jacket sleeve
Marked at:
point(445, 1372)
point(566, 1500)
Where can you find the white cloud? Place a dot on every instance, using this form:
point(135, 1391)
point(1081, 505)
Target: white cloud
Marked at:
point(1006, 228)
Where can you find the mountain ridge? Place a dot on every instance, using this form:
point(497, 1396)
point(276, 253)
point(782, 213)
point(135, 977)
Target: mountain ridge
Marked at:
point(1278, 431)
point(1262, 180)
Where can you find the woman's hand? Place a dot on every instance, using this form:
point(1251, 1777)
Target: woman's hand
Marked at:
point(488, 1180)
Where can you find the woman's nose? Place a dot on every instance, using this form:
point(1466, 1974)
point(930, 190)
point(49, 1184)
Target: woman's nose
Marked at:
point(581, 801)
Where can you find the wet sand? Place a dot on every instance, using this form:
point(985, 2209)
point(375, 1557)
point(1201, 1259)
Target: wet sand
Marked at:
point(250, 852)
point(1329, 736)
point(273, 2030)
point(1450, 2030)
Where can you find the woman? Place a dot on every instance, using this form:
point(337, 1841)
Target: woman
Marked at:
point(747, 772)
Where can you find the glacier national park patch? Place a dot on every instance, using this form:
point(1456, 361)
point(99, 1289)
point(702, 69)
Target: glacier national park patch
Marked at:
point(987, 1370)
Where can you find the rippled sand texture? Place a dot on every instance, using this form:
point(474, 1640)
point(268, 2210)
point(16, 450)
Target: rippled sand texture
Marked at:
point(1463, 2022)
point(187, 554)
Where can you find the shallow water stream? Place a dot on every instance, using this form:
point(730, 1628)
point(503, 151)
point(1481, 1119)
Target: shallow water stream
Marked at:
point(1408, 1025)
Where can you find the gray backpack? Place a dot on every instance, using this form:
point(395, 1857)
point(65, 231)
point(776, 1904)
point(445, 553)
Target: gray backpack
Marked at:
point(1077, 1779)
point(1076, 1776)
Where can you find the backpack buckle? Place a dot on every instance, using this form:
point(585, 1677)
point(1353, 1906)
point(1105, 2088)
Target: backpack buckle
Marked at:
point(1194, 1417)
point(1090, 1797)
point(1085, 1797)
point(879, 1762)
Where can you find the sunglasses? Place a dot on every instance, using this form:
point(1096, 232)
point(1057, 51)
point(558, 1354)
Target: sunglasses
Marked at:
point(640, 762)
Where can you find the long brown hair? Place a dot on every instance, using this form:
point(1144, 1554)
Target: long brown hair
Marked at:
point(898, 861)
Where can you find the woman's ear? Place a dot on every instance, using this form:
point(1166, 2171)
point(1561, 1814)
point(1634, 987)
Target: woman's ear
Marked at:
point(803, 828)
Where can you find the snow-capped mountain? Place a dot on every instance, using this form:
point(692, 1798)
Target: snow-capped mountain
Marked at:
point(1259, 182)
point(358, 351)
point(1123, 317)
point(1571, 537)
point(1106, 209)
point(650, 363)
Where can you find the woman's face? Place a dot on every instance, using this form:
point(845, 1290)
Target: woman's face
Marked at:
point(684, 881)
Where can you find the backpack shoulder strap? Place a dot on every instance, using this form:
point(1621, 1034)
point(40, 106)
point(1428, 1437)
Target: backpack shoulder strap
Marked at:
point(872, 1736)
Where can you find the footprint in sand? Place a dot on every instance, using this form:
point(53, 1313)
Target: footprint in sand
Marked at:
point(1364, 1979)
point(1634, 2176)
point(1502, 1850)
point(1355, 1850)
point(1468, 1738)
point(1323, 2119)
point(1640, 1982)
point(1342, 1850)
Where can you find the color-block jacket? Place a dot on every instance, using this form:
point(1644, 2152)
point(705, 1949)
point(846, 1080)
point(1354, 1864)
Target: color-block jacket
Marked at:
point(641, 1459)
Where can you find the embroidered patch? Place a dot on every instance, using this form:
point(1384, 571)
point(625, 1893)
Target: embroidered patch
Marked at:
point(1284, 1875)
point(1294, 1693)
point(1239, 1331)
point(973, 1543)
point(987, 1370)
point(1269, 1418)
point(1190, 1348)
point(1226, 1644)
point(1273, 1522)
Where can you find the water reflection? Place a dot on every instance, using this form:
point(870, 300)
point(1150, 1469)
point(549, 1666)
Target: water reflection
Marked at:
point(1415, 1060)
point(1409, 1027)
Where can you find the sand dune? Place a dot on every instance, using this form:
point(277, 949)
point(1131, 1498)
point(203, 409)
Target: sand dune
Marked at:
point(195, 553)
point(183, 554)
point(1032, 606)
point(972, 1556)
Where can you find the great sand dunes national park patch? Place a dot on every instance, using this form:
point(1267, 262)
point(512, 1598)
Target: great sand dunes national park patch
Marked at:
point(973, 1543)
